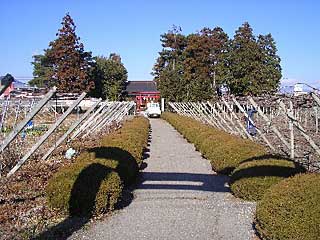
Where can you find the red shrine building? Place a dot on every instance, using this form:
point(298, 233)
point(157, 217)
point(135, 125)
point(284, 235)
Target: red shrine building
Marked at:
point(142, 92)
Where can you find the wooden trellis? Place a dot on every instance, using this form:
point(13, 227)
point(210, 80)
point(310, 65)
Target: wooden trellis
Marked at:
point(276, 123)
point(97, 117)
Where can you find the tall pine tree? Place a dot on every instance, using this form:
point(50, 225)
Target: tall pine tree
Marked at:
point(71, 64)
point(168, 69)
point(205, 62)
point(245, 62)
point(271, 70)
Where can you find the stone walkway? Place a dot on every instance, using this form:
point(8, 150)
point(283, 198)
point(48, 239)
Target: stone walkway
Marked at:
point(179, 198)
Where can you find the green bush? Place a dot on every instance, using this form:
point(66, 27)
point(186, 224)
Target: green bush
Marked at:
point(93, 184)
point(291, 209)
point(132, 137)
point(251, 179)
point(224, 151)
point(114, 158)
point(84, 189)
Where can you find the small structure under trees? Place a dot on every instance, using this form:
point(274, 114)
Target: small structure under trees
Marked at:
point(142, 92)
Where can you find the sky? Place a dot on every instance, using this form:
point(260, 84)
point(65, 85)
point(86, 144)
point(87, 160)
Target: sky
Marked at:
point(133, 28)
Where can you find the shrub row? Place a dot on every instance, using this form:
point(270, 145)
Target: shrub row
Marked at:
point(253, 178)
point(291, 209)
point(224, 151)
point(93, 183)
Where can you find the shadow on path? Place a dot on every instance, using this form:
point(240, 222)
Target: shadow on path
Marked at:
point(198, 182)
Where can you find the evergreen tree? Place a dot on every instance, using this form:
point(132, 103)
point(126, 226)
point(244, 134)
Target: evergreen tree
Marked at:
point(71, 64)
point(110, 77)
point(42, 70)
point(205, 62)
point(271, 71)
point(245, 62)
point(194, 67)
point(168, 70)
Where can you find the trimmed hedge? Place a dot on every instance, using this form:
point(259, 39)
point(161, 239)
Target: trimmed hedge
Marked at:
point(84, 189)
point(251, 179)
point(224, 151)
point(94, 183)
point(132, 137)
point(291, 209)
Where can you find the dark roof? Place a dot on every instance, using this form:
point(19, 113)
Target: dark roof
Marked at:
point(141, 86)
point(6, 80)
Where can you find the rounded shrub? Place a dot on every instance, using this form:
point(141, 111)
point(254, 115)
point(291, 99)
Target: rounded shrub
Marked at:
point(114, 158)
point(251, 179)
point(84, 189)
point(93, 184)
point(291, 209)
point(231, 151)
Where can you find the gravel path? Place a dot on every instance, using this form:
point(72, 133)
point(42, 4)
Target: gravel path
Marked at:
point(179, 198)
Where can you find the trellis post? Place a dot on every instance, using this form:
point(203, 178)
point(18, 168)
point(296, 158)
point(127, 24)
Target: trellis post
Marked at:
point(70, 130)
point(88, 121)
point(237, 119)
point(251, 121)
point(291, 131)
point(46, 135)
point(28, 117)
point(266, 119)
point(230, 120)
point(220, 117)
point(301, 130)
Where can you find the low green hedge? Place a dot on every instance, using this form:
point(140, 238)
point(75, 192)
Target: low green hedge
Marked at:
point(84, 189)
point(93, 184)
point(132, 137)
point(291, 209)
point(251, 179)
point(224, 151)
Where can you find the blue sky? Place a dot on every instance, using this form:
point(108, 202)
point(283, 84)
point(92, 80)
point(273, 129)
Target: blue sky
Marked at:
point(133, 28)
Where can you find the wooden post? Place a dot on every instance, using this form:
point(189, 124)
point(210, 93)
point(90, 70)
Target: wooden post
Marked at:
point(237, 119)
point(190, 111)
point(46, 135)
point(266, 119)
point(291, 132)
point(104, 118)
point(70, 130)
point(316, 98)
point(117, 115)
point(258, 130)
point(211, 116)
point(301, 130)
point(28, 117)
point(98, 118)
point(181, 110)
point(220, 117)
point(174, 107)
point(317, 119)
point(232, 123)
point(89, 120)
point(199, 113)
